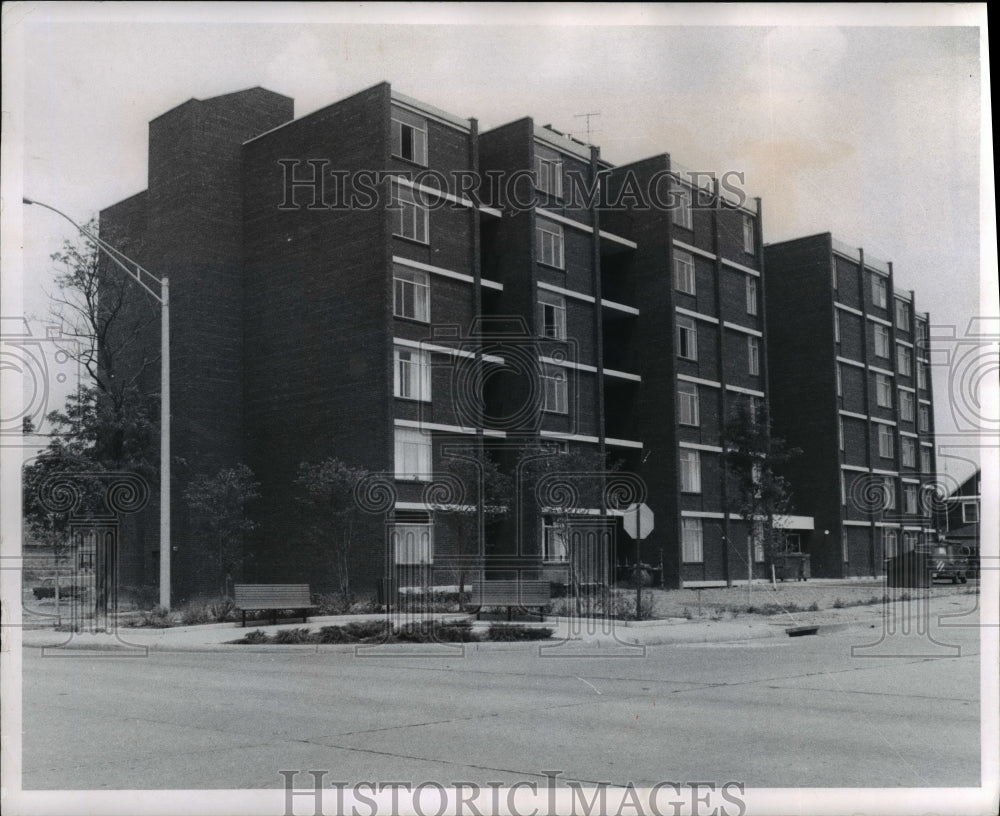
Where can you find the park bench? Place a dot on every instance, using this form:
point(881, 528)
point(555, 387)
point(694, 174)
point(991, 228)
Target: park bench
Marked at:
point(272, 597)
point(511, 593)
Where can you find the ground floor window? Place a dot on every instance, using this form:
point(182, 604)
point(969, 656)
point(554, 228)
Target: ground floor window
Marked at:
point(693, 544)
point(555, 541)
point(413, 537)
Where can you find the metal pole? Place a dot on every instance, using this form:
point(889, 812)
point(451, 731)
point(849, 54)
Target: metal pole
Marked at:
point(638, 576)
point(165, 446)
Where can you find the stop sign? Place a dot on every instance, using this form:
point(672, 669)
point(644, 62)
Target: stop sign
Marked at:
point(638, 519)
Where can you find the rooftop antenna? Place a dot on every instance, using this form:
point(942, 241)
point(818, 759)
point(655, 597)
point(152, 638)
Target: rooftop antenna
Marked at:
point(587, 117)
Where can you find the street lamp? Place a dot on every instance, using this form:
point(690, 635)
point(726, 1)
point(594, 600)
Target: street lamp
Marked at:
point(141, 276)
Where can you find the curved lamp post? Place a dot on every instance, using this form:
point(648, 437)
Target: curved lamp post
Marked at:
point(147, 280)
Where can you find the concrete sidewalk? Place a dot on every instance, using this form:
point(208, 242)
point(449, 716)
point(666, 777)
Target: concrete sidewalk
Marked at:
point(577, 631)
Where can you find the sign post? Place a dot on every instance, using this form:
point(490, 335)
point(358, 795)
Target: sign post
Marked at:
point(638, 522)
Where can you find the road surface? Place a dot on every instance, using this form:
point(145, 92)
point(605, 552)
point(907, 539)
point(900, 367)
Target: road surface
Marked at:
point(780, 712)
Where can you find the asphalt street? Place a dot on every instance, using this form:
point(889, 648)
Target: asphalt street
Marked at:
point(776, 712)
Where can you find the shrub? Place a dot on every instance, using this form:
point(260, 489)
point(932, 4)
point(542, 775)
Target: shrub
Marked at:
point(367, 630)
point(254, 637)
point(813, 607)
point(195, 613)
point(331, 604)
point(457, 631)
point(334, 634)
point(139, 597)
point(157, 617)
point(839, 604)
point(508, 631)
point(222, 610)
point(292, 636)
point(366, 607)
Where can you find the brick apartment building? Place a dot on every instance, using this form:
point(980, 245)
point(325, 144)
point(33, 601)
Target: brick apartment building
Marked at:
point(311, 320)
point(850, 386)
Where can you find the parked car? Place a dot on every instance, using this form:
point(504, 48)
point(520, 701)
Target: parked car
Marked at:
point(949, 561)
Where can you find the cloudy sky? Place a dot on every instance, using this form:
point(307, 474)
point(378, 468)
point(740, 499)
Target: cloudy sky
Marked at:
point(862, 121)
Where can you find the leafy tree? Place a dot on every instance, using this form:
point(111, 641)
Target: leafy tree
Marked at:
point(218, 506)
point(108, 424)
point(759, 493)
point(332, 515)
point(480, 481)
point(569, 482)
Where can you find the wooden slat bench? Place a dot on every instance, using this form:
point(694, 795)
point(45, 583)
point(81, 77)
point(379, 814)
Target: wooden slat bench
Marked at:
point(273, 597)
point(511, 593)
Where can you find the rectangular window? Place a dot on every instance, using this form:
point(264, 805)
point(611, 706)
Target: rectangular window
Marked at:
point(555, 389)
point(409, 141)
point(413, 537)
point(835, 277)
point(836, 326)
point(904, 361)
point(690, 471)
point(922, 376)
point(925, 460)
point(748, 242)
point(925, 417)
point(970, 513)
point(878, 291)
point(840, 381)
point(885, 445)
point(840, 427)
point(902, 315)
point(412, 374)
point(889, 543)
point(906, 406)
point(753, 355)
point(889, 486)
point(882, 341)
point(687, 338)
point(910, 499)
point(758, 549)
point(843, 487)
point(413, 455)
point(751, 295)
point(687, 396)
point(909, 451)
point(411, 215)
point(411, 294)
point(549, 243)
point(552, 315)
point(883, 391)
point(692, 543)
point(548, 176)
point(682, 215)
point(555, 542)
point(684, 278)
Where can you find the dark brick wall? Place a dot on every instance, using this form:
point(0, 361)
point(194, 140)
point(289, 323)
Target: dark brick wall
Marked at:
point(193, 234)
point(318, 303)
point(803, 382)
point(123, 226)
point(848, 289)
